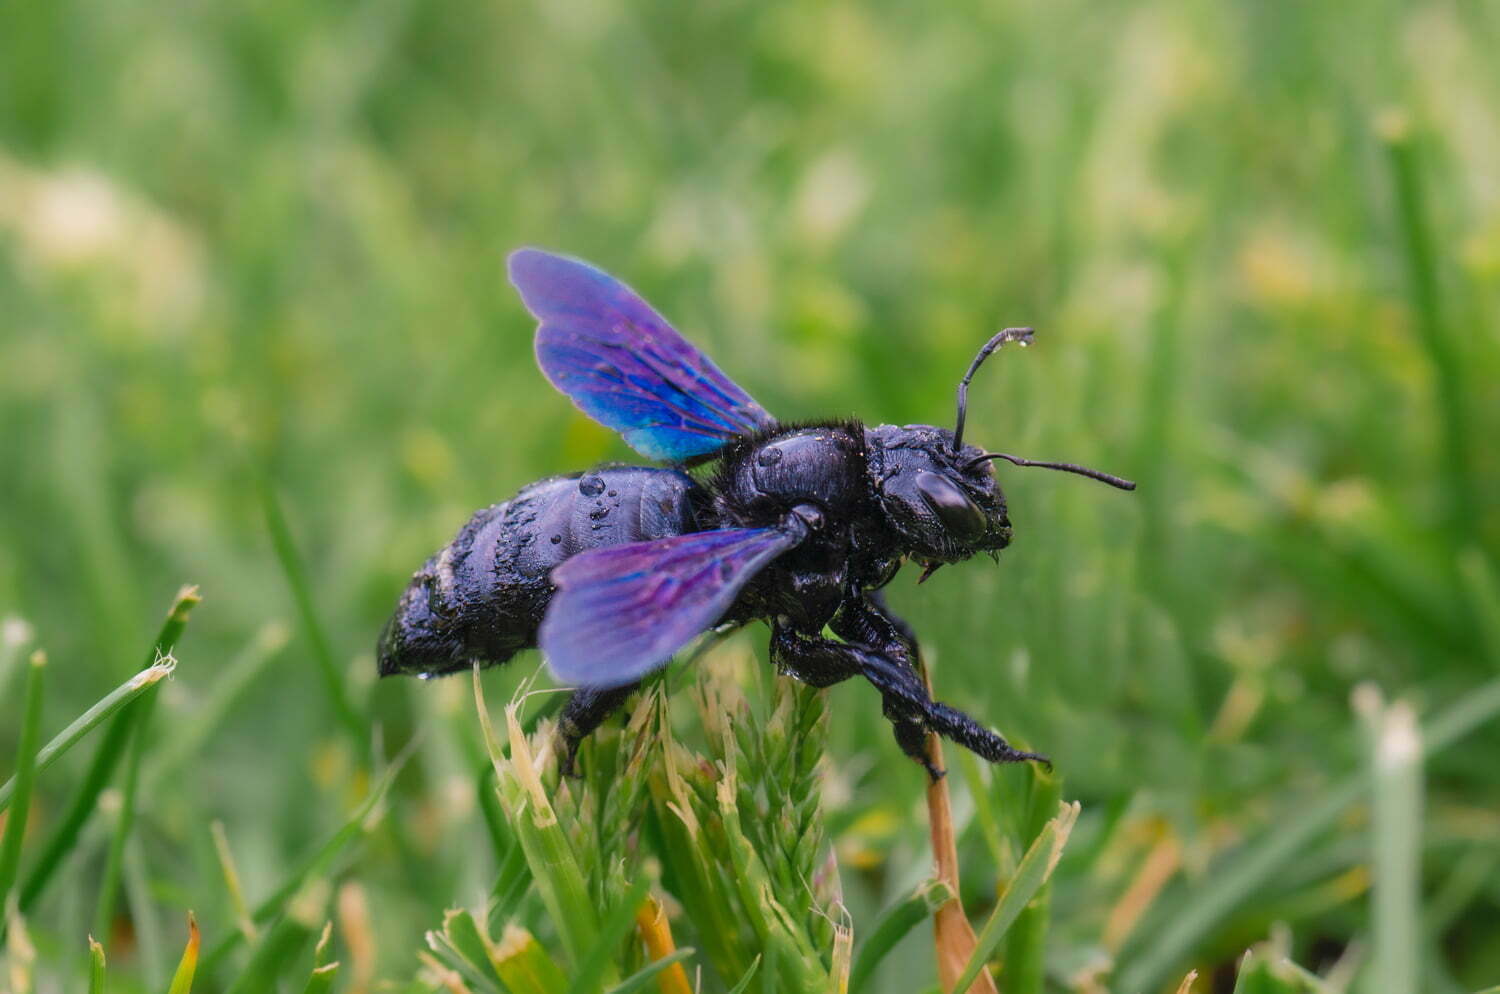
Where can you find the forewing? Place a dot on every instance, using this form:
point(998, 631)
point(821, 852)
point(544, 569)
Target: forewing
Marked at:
point(624, 366)
point(620, 612)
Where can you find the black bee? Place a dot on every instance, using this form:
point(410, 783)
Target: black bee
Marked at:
point(613, 570)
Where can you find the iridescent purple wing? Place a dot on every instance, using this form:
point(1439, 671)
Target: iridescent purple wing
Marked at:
point(624, 366)
point(622, 611)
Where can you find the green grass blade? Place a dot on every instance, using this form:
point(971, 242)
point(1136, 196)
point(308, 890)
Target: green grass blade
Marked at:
point(316, 864)
point(92, 718)
point(232, 885)
point(173, 625)
point(589, 976)
point(744, 982)
point(1243, 871)
point(984, 810)
point(549, 853)
point(1026, 942)
point(150, 947)
point(182, 980)
point(109, 886)
point(893, 925)
point(1397, 838)
point(523, 966)
point(296, 577)
point(1450, 391)
point(85, 798)
point(284, 942)
point(322, 978)
point(320, 951)
point(1032, 872)
point(96, 967)
point(502, 841)
point(26, 749)
point(111, 749)
point(465, 948)
point(638, 980)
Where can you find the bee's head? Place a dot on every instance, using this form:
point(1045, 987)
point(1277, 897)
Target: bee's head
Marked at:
point(944, 503)
point(939, 494)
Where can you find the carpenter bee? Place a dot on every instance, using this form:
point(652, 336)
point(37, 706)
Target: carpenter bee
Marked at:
point(613, 570)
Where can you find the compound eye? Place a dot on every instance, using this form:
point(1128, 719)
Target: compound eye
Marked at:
point(954, 509)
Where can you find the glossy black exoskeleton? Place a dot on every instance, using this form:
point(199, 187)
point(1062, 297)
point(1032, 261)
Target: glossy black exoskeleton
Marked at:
point(800, 526)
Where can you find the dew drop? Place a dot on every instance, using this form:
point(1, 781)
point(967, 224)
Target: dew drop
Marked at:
point(556, 539)
point(591, 486)
point(769, 457)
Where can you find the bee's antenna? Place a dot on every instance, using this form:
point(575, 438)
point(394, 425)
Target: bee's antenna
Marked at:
point(1067, 467)
point(1022, 335)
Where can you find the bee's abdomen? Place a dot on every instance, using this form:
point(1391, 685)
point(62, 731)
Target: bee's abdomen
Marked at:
point(483, 597)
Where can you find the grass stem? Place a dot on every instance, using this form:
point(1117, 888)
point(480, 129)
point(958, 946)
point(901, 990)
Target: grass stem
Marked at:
point(322, 649)
point(1397, 839)
point(26, 754)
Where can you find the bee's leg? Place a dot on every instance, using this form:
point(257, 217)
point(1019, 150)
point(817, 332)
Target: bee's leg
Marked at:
point(805, 658)
point(887, 664)
point(875, 599)
point(585, 711)
point(906, 699)
point(911, 736)
point(867, 620)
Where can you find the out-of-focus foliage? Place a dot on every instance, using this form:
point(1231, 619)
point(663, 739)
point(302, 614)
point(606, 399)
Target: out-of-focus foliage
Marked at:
point(251, 257)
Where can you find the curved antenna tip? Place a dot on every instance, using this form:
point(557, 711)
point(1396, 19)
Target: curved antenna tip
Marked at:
point(1022, 335)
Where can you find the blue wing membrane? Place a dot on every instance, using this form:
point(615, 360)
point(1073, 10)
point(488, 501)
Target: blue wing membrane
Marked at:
point(622, 611)
point(624, 366)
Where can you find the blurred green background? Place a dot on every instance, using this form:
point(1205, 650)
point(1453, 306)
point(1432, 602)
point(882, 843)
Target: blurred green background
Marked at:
point(1261, 245)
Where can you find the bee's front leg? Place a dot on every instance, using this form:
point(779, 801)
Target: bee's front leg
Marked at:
point(868, 621)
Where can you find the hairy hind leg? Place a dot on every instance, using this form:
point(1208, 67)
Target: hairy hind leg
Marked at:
point(585, 711)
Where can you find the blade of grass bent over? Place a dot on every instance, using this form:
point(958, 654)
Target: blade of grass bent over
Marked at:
point(92, 718)
point(15, 825)
point(111, 750)
point(1034, 869)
